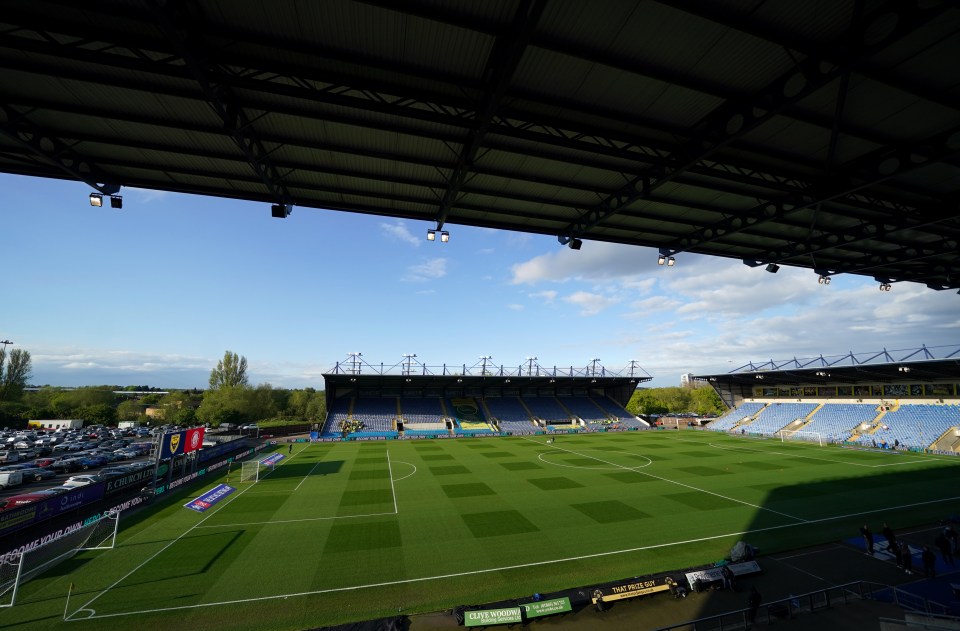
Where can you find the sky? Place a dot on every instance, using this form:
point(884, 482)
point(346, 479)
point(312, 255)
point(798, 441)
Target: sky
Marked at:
point(156, 292)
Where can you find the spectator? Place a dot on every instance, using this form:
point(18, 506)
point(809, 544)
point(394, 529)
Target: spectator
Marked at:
point(867, 538)
point(753, 602)
point(945, 549)
point(929, 560)
point(907, 557)
point(951, 536)
point(890, 537)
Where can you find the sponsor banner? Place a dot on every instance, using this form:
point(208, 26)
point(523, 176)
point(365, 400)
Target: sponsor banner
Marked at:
point(484, 617)
point(547, 607)
point(631, 590)
point(211, 497)
point(172, 445)
point(193, 440)
point(16, 518)
point(272, 459)
point(117, 485)
point(707, 577)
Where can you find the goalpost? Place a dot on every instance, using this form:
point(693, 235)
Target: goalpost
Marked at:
point(250, 471)
point(17, 570)
point(810, 437)
point(253, 470)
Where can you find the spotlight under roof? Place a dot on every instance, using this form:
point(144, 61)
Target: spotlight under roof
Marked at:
point(431, 235)
point(96, 199)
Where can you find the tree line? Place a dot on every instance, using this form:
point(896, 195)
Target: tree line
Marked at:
point(229, 399)
point(675, 400)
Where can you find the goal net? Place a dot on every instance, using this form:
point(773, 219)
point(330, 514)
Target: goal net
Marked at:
point(250, 471)
point(810, 437)
point(17, 570)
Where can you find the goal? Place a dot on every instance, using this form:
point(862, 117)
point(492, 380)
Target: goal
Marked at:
point(250, 471)
point(17, 570)
point(810, 437)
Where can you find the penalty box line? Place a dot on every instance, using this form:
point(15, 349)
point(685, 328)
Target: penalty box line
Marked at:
point(86, 606)
point(518, 566)
point(657, 477)
point(393, 491)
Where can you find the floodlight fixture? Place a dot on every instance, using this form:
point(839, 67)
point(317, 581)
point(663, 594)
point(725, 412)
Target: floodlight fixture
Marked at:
point(885, 286)
point(280, 211)
point(96, 200)
point(575, 244)
point(431, 235)
point(823, 279)
point(904, 368)
point(773, 268)
point(671, 261)
point(661, 259)
point(116, 201)
point(444, 236)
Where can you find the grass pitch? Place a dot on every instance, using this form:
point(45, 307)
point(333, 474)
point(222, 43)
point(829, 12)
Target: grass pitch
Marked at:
point(342, 532)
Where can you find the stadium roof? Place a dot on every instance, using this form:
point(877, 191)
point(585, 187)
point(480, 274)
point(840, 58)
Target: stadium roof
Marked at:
point(822, 134)
point(919, 365)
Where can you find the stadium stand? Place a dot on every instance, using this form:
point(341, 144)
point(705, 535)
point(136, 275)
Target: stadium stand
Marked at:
point(776, 416)
point(734, 416)
point(421, 410)
point(913, 425)
point(510, 415)
point(338, 415)
point(612, 408)
point(586, 409)
point(375, 414)
point(548, 409)
point(837, 421)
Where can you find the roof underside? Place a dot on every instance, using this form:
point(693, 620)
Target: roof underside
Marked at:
point(821, 134)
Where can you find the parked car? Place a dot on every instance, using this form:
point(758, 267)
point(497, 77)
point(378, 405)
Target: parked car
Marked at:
point(37, 474)
point(10, 478)
point(8, 456)
point(27, 498)
point(92, 462)
point(66, 465)
point(81, 480)
point(44, 462)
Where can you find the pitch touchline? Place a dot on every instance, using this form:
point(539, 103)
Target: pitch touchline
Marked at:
point(308, 474)
point(294, 521)
point(516, 567)
point(636, 470)
point(392, 489)
point(182, 535)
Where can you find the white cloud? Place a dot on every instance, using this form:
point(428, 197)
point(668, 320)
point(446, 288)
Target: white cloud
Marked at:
point(431, 269)
point(589, 303)
point(398, 231)
point(596, 261)
point(548, 295)
point(515, 307)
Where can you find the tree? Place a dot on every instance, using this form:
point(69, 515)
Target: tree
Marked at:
point(14, 373)
point(231, 371)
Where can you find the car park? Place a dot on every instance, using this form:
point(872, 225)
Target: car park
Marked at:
point(9, 456)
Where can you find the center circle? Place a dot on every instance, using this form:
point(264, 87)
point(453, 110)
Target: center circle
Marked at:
point(602, 466)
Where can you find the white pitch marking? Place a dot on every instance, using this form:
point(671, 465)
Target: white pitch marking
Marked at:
point(409, 474)
point(308, 474)
point(523, 565)
point(541, 458)
point(182, 535)
point(393, 490)
point(294, 521)
point(637, 469)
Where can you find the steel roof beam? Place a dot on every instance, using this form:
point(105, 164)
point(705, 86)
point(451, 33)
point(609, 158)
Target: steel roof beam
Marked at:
point(16, 126)
point(502, 63)
point(734, 119)
point(860, 173)
point(594, 142)
point(184, 30)
point(770, 32)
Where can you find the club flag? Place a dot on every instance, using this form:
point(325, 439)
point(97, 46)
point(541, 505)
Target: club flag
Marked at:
point(172, 445)
point(193, 440)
